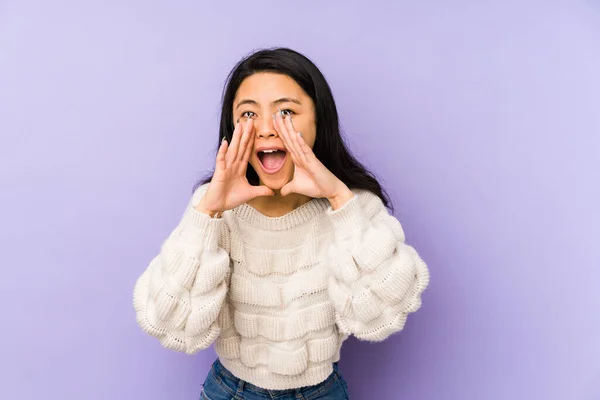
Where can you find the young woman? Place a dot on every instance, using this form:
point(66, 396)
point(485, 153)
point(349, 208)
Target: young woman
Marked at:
point(285, 251)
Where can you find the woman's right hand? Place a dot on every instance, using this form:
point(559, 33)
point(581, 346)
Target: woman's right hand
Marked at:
point(229, 187)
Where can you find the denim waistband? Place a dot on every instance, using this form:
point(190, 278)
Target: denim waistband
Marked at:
point(233, 382)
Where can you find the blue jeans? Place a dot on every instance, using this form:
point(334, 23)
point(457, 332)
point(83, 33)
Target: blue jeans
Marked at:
point(221, 384)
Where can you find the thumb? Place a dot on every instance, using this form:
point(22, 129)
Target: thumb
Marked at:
point(287, 189)
point(258, 191)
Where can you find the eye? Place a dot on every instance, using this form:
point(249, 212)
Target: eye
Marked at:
point(287, 112)
point(248, 114)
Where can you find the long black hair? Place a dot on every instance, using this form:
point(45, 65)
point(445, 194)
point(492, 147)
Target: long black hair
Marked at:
point(329, 145)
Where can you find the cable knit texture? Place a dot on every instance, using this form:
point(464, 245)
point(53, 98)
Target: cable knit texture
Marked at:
point(278, 296)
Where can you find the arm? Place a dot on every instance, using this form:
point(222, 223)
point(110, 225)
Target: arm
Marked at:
point(179, 296)
point(376, 279)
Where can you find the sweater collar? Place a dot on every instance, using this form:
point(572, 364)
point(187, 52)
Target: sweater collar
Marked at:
point(288, 221)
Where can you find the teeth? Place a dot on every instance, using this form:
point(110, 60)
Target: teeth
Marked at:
point(269, 151)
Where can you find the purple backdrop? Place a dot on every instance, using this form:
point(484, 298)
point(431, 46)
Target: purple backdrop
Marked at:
point(482, 120)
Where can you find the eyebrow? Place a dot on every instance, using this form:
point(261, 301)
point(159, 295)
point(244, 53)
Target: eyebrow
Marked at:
point(273, 103)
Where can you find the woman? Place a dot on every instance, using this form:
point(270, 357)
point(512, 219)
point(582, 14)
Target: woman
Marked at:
point(285, 251)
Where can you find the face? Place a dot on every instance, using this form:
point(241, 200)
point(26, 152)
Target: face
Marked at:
point(258, 98)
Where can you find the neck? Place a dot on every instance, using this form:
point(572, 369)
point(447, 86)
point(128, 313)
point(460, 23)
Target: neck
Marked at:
point(278, 205)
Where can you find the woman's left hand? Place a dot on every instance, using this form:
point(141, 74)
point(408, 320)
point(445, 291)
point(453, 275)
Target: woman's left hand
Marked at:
point(311, 177)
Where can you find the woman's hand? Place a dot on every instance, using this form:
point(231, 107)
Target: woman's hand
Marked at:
point(229, 187)
point(311, 177)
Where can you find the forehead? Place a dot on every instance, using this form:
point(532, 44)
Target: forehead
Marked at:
point(266, 86)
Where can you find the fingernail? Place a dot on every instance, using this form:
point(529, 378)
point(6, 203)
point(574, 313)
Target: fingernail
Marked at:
point(238, 120)
point(300, 134)
point(274, 117)
point(222, 140)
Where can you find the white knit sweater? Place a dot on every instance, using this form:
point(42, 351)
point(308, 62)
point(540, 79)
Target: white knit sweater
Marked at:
point(278, 296)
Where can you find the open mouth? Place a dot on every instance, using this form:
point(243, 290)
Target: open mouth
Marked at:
point(271, 160)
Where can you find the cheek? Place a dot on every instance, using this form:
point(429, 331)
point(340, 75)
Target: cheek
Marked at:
point(311, 134)
point(308, 133)
point(310, 139)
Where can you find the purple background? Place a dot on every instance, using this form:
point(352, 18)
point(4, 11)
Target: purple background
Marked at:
point(483, 120)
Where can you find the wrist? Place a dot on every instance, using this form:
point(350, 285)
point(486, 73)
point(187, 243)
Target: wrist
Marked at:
point(211, 213)
point(340, 198)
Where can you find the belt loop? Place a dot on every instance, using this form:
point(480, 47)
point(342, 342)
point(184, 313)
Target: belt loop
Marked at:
point(299, 395)
point(240, 390)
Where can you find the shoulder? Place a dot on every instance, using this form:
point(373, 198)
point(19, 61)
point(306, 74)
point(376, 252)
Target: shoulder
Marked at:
point(369, 202)
point(374, 209)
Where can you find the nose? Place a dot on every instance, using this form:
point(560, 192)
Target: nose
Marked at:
point(264, 128)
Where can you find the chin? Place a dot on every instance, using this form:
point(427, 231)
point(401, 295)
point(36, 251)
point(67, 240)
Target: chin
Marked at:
point(274, 183)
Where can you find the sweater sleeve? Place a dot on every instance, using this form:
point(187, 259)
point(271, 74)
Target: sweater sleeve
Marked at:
point(179, 297)
point(376, 279)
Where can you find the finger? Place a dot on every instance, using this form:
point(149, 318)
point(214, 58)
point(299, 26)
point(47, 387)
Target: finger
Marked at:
point(249, 146)
point(287, 189)
point(220, 163)
point(283, 133)
point(284, 127)
point(305, 149)
point(235, 144)
point(294, 136)
point(244, 140)
point(258, 191)
point(280, 133)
